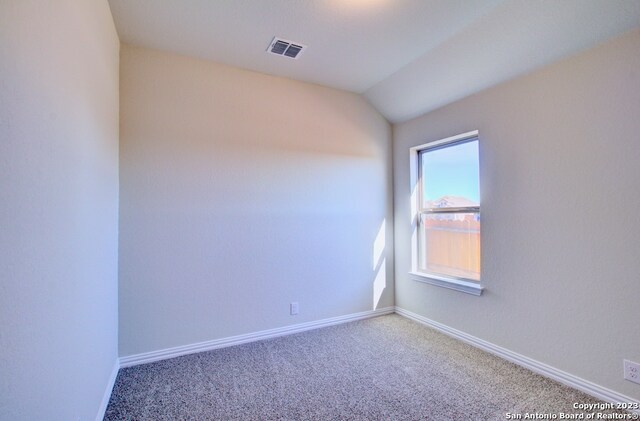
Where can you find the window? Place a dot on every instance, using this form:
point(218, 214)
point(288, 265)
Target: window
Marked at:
point(446, 213)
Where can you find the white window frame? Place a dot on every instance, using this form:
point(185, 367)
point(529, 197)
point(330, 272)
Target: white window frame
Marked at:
point(470, 287)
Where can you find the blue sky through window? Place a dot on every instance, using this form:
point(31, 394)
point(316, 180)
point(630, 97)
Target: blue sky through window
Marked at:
point(452, 171)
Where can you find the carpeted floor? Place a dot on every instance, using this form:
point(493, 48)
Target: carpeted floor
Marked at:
point(386, 368)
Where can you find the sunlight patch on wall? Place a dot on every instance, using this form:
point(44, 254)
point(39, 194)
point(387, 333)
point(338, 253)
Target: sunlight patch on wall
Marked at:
point(378, 245)
point(379, 265)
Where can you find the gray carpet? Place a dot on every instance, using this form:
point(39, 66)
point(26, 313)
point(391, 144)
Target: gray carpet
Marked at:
point(386, 368)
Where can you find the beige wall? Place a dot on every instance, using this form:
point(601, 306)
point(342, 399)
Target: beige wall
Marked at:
point(560, 174)
point(58, 207)
point(241, 193)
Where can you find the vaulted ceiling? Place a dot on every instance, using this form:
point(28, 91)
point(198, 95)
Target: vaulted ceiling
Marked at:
point(407, 57)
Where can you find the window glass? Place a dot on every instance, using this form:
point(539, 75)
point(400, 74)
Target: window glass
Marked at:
point(451, 244)
point(449, 210)
point(450, 176)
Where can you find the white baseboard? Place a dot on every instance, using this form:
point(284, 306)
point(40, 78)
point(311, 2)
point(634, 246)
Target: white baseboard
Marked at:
point(545, 370)
point(163, 354)
point(108, 390)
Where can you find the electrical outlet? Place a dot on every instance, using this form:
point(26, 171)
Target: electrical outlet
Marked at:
point(632, 371)
point(294, 308)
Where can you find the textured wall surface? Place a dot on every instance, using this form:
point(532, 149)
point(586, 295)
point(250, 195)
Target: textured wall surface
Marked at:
point(560, 178)
point(58, 208)
point(241, 193)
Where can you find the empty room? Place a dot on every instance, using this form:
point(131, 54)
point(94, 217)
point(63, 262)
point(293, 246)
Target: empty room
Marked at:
point(319, 209)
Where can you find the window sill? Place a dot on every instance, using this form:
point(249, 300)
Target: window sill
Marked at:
point(472, 288)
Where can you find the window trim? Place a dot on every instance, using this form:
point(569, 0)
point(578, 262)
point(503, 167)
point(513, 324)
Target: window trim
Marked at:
point(458, 284)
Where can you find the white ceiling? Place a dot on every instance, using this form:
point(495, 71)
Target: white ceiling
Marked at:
point(406, 56)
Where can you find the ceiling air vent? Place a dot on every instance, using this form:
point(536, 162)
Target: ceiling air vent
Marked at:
point(283, 47)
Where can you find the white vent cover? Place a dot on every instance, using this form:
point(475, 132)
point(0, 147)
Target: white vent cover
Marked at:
point(286, 48)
